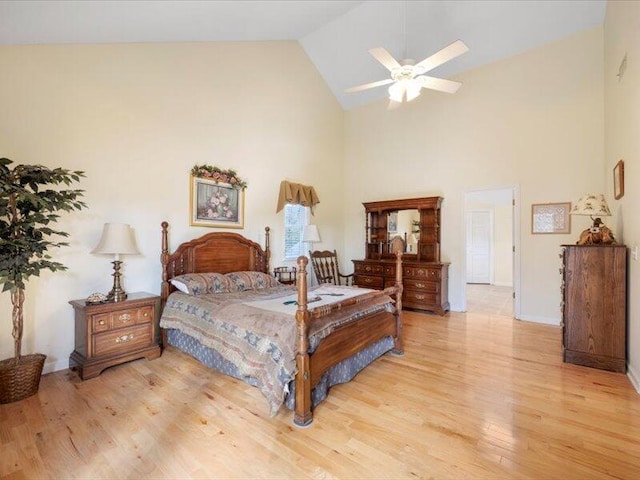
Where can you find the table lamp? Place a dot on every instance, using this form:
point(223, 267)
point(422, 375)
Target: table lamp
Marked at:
point(117, 239)
point(595, 206)
point(310, 234)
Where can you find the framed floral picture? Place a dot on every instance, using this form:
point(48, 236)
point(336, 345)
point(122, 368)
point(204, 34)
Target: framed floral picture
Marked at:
point(216, 204)
point(550, 218)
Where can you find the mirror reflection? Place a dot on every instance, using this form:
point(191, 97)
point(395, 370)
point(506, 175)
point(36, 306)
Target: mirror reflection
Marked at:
point(405, 224)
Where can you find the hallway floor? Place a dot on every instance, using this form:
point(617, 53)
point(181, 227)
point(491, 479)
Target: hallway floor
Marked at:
point(489, 299)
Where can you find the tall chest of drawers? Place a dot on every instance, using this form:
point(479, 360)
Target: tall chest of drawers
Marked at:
point(425, 283)
point(594, 306)
point(109, 334)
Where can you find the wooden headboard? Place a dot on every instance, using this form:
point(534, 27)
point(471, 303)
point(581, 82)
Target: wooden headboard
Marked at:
point(220, 252)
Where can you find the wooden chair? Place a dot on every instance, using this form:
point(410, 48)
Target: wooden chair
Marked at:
point(325, 266)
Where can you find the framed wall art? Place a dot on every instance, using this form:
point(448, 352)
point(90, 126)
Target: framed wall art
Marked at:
point(216, 204)
point(393, 222)
point(550, 218)
point(618, 180)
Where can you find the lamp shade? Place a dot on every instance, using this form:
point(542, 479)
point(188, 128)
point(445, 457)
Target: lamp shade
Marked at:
point(592, 204)
point(310, 234)
point(117, 239)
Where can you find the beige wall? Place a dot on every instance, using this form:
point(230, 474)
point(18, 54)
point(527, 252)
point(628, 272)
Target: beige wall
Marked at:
point(136, 118)
point(622, 141)
point(534, 120)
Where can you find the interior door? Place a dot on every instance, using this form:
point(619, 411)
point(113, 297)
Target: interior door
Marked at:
point(479, 246)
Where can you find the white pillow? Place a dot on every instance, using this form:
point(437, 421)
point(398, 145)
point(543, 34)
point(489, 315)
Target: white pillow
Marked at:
point(179, 285)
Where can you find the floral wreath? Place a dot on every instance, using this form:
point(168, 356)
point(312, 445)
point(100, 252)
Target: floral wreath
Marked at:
point(219, 176)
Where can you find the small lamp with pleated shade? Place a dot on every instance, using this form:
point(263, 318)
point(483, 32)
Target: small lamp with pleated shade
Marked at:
point(117, 239)
point(595, 206)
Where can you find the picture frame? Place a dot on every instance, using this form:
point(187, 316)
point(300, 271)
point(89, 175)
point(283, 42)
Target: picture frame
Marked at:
point(215, 204)
point(550, 218)
point(618, 180)
point(393, 222)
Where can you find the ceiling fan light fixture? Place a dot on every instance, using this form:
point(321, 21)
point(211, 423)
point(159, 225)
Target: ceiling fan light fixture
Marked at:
point(413, 89)
point(396, 92)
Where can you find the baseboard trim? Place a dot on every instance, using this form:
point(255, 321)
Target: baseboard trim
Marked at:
point(536, 319)
point(60, 364)
point(633, 377)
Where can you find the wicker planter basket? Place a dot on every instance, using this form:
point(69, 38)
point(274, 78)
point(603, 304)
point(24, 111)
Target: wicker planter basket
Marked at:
point(21, 380)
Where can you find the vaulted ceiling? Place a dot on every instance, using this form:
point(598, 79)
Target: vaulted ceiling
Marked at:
point(335, 34)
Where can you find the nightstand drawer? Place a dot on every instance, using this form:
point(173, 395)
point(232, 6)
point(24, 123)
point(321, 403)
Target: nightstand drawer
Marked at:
point(122, 340)
point(145, 315)
point(124, 318)
point(100, 322)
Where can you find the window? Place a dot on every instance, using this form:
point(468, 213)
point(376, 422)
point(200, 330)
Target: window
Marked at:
point(295, 218)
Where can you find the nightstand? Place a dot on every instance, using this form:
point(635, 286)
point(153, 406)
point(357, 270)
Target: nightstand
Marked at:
point(285, 275)
point(108, 334)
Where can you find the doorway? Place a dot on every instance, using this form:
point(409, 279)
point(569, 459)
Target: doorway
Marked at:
point(490, 279)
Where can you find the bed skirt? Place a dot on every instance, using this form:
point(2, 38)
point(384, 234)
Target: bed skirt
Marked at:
point(340, 373)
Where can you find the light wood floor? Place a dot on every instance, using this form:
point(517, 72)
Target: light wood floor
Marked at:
point(474, 397)
point(489, 299)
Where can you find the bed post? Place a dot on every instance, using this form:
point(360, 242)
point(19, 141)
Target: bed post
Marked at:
point(164, 287)
point(302, 416)
point(398, 343)
point(267, 251)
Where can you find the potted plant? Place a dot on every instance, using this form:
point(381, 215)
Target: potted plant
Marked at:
point(29, 208)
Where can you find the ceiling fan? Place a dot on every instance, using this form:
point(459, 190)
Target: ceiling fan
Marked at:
point(408, 77)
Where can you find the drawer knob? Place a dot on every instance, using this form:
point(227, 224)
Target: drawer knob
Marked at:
point(101, 322)
point(146, 314)
point(124, 338)
point(125, 317)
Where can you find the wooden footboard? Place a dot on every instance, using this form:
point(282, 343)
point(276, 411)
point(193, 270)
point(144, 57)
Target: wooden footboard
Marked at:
point(342, 343)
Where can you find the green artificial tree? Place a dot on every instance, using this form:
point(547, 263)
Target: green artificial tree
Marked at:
point(29, 209)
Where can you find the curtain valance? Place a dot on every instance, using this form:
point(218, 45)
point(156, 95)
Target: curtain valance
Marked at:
point(297, 194)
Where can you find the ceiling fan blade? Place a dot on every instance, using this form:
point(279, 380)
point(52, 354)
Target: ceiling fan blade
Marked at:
point(439, 84)
point(384, 58)
point(447, 53)
point(366, 86)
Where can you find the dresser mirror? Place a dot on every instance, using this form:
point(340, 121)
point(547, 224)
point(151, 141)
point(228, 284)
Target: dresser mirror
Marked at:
point(406, 225)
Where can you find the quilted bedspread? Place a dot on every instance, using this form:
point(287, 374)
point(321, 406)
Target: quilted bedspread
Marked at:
point(256, 331)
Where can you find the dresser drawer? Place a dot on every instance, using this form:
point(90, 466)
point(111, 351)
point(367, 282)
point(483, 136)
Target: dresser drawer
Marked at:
point(389, 270)
point(124, 318)
point(122, 340)
point(368, 281)
point(421, 285)
point(368, 269)
point(421, 272)
point(419, 298)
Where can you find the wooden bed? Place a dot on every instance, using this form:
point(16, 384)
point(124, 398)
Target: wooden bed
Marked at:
point(224, 252)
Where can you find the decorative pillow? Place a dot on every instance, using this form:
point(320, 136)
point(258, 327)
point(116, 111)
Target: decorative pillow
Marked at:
point(201, 283)
point(241, 281)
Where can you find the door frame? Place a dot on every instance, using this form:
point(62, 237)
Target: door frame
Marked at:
point(515, 195)
point(491, 239)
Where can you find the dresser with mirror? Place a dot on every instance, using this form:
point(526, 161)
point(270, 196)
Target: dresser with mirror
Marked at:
point(413, 227)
